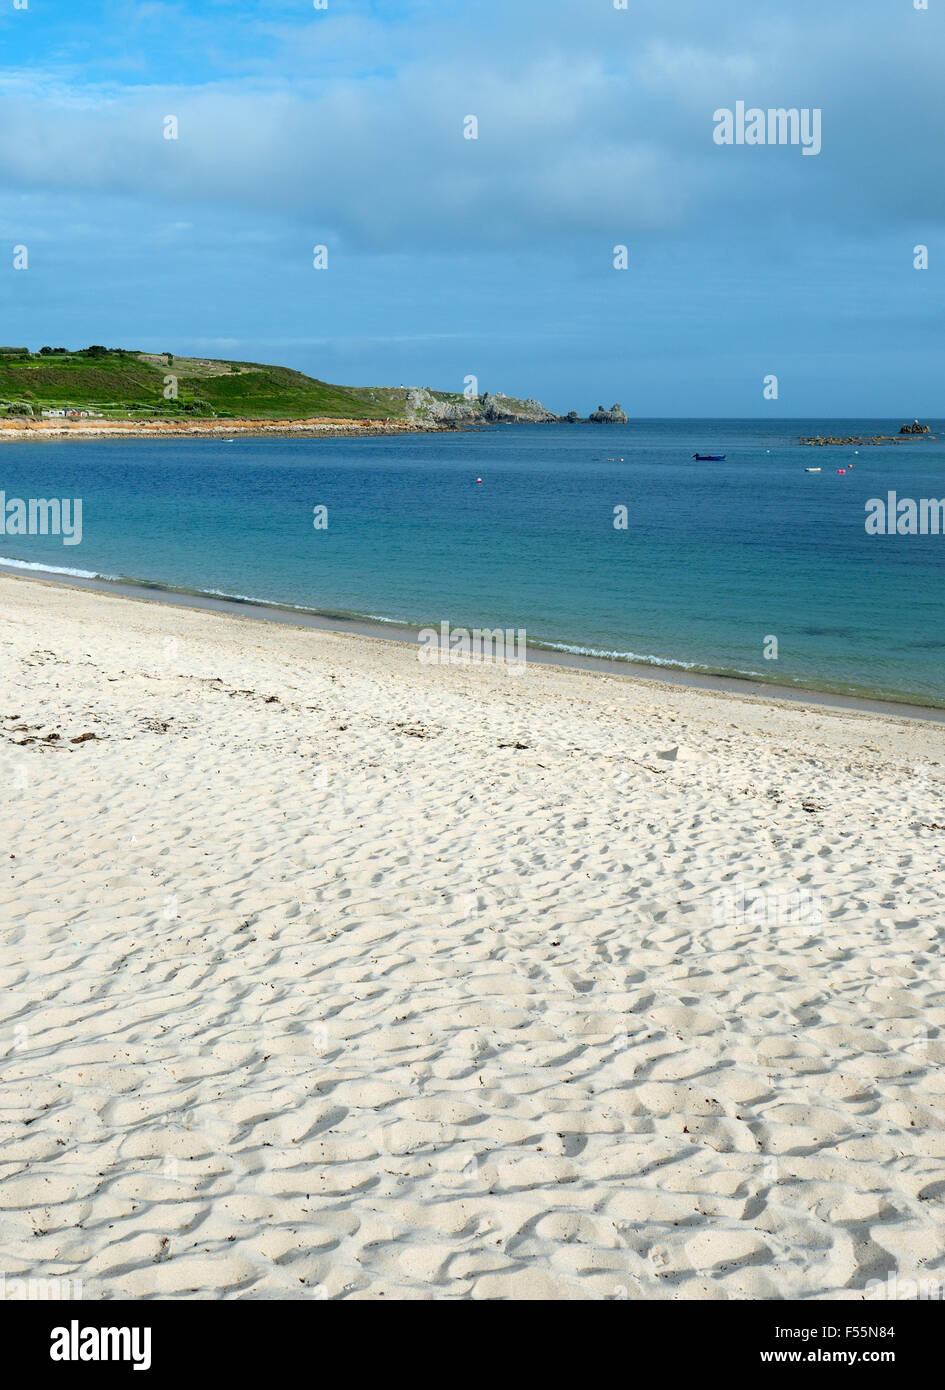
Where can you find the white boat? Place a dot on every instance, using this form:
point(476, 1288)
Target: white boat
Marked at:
point(811, 470)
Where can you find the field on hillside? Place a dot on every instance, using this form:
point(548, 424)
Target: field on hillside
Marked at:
point(122, 383)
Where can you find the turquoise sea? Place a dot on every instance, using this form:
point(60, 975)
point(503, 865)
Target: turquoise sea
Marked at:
point(715, 558)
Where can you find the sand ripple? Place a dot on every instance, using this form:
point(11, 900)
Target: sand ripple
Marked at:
point(342, 993)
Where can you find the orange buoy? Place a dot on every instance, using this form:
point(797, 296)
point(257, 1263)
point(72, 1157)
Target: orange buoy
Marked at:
point(478, 480)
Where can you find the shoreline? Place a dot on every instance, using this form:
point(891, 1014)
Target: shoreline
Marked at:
point(315, 427)
point(405, 634)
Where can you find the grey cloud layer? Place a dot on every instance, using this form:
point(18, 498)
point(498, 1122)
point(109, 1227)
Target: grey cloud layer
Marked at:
point(599, 128)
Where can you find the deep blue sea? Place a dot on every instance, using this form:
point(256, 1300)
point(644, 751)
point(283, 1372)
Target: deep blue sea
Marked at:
point(716, 557)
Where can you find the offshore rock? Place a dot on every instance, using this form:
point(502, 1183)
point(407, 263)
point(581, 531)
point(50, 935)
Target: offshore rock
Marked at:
point(613, 416)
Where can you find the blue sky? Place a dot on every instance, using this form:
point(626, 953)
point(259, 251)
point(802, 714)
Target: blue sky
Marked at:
point(450, 257)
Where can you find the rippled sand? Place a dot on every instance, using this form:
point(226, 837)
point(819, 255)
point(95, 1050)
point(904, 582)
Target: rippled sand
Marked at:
point(328, 974)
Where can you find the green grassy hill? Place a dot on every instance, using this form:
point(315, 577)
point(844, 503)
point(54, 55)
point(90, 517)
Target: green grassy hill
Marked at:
point(121, 383)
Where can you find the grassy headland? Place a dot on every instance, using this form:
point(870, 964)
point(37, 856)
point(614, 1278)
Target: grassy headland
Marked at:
point(114, 384)
point(121, 383)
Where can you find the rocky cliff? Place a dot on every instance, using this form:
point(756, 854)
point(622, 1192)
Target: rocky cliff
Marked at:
point(438, 407)
point(485, 409)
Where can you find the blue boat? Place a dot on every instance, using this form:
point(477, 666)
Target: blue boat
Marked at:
point(710, 458)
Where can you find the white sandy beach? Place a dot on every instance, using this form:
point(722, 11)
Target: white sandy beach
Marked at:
point(329, 974)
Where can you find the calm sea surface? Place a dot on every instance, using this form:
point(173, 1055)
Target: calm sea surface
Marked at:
point(715, 558)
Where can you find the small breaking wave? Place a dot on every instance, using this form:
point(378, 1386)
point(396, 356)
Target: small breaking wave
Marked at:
point(53, 569)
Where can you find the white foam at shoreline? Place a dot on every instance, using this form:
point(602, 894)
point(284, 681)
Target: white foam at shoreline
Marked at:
point(53, 569)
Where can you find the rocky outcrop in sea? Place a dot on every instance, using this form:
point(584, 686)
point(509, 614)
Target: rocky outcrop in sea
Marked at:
point(613, 416)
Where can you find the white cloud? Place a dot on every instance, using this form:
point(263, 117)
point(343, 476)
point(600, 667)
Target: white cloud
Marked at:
point(599, 128)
